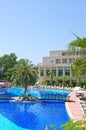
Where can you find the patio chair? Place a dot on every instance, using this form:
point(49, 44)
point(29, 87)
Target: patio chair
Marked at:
point(80, 93)
point(83, 97)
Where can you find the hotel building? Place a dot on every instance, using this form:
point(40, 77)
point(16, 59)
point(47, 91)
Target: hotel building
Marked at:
point(58, 62)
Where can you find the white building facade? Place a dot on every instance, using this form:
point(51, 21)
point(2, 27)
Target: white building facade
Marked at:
point(59, 62)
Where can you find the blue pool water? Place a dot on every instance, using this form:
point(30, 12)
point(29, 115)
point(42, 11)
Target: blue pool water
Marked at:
point(35, 116)
point(32, 115)
point(6, 124)
point(36, 92)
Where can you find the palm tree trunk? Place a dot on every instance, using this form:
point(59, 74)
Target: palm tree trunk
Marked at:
point(25, 90)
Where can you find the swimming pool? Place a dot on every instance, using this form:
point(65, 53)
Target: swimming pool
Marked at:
point(34, 92)
point(32, 115)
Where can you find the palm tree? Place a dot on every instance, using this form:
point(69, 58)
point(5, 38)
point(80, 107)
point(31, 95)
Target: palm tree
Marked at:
point(78, 70)
point(51, 74)
point(24, 74)
point(75, 125)
point(58, 80)
point(78, 47)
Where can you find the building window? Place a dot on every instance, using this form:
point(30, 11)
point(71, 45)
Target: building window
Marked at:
point(54, 72)
point(47, 72)
point(42, 73)
point(58, 61)
point(60, 72)
point(67, 72)
point(64, 61)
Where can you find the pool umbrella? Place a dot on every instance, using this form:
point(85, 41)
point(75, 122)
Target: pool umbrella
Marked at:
point(46, 128)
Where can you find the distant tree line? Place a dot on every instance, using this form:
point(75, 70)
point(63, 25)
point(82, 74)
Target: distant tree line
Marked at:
point(7, 63)
point(21, 72)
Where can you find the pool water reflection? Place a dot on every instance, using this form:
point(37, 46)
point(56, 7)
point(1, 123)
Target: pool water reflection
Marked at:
point(35, 115)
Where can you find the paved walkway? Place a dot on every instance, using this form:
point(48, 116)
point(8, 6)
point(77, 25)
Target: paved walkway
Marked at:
point(74, 108)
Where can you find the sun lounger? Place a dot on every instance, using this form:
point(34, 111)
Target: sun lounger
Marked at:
point(83, 104)
point(83, 98)
point(80, 93)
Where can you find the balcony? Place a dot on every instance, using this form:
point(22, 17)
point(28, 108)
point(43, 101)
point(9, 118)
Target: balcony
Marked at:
point(63, 64)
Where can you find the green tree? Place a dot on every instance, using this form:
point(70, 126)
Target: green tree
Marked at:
point(8, 74)
point(24, 74)
point(77, 69)
point(72, 125)
point(78, 47)
point(7, 62)
point(75, 125)
point(59, 80)
point(51, 75)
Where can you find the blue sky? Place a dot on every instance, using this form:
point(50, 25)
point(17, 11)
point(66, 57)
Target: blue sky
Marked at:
point(32, 28)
